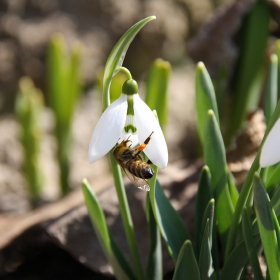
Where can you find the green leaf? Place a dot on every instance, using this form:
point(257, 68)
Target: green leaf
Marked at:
point(234, 194)
point(205, 258)
point(157, 87)
point(266, 227)
point(205, 98)
point(29, 109)
point(64, 87)
point(275, 202)
point(117, 55)
point(251, 249)
point(214, 156)
point(253, 43)
point(108, 245)
point(154, 265)
point(55, 62)
point(277, 51)
point(204, 195)
point(186, 265)
point(171, 225)
point(63, 79)
point(236, 261)
point(210, 214)
point(73, 79)
point(271, 88)
point(277, 228)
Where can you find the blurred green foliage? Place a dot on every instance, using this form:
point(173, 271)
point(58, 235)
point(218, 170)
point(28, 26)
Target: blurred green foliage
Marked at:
point(64, 88)
point(29, 108)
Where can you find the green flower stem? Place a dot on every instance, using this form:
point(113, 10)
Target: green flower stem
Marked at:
point(247, 186)
point(127, 72)
point(126, 215)
point(123, 203)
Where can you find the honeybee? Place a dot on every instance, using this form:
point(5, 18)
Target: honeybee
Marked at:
point(136, 169)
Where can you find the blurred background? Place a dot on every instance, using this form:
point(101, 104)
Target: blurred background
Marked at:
point(52, 56)
point(26, 29)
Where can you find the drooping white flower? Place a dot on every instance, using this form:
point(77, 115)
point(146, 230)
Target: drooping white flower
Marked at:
point(128, 116)
point(270, 153)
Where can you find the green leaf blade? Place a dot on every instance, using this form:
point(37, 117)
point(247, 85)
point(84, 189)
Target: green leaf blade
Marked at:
point(117, 55)
point(271, 91)
point(214, 156)
point(235, 263)
point(109, 247)
point(251, 249)
point(186, 265)
point(205, 98)
point(204, 195)
point(254, 36)
point(156, 89)
point(205, 258)
point(168, 220)
point(154, 264)
point(234, 194)
point(266, 227)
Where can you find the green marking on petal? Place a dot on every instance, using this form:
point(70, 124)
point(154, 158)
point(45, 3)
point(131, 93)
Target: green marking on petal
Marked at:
point(130, 110)
point(131, 128)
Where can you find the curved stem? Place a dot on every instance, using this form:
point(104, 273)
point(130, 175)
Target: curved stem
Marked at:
point(127, 72)
point(106, 89)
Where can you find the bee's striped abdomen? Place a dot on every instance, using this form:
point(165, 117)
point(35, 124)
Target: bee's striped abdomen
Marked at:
point(140, 169)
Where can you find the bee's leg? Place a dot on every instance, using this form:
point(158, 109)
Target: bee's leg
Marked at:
point(149, 162)
point(142, 146)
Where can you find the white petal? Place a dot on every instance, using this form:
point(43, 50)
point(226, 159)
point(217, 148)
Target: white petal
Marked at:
point(146, 122)
point(270, 153)
point(108, 129)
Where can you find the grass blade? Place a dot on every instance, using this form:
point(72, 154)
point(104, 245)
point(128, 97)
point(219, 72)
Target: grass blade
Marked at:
point(266, 227)
point(214, 156)
point(109, 247)
point(204, 195)
point(234, 194)
point(171, 225)
point(156, 89)
point(154, 265)
point(205, 98)
point(117, 55)
point(253, 43)
point(251, 249)
point(29, 109)
point(271, 88)
point(236, 261)
point(273, 176)
point(186, 265)
point(205, 258)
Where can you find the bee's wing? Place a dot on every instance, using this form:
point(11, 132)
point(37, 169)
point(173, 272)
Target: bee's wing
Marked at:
point(138, 182)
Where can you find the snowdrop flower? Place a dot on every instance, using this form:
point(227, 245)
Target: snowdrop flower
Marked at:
point(270, 153)
point(128, 116)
